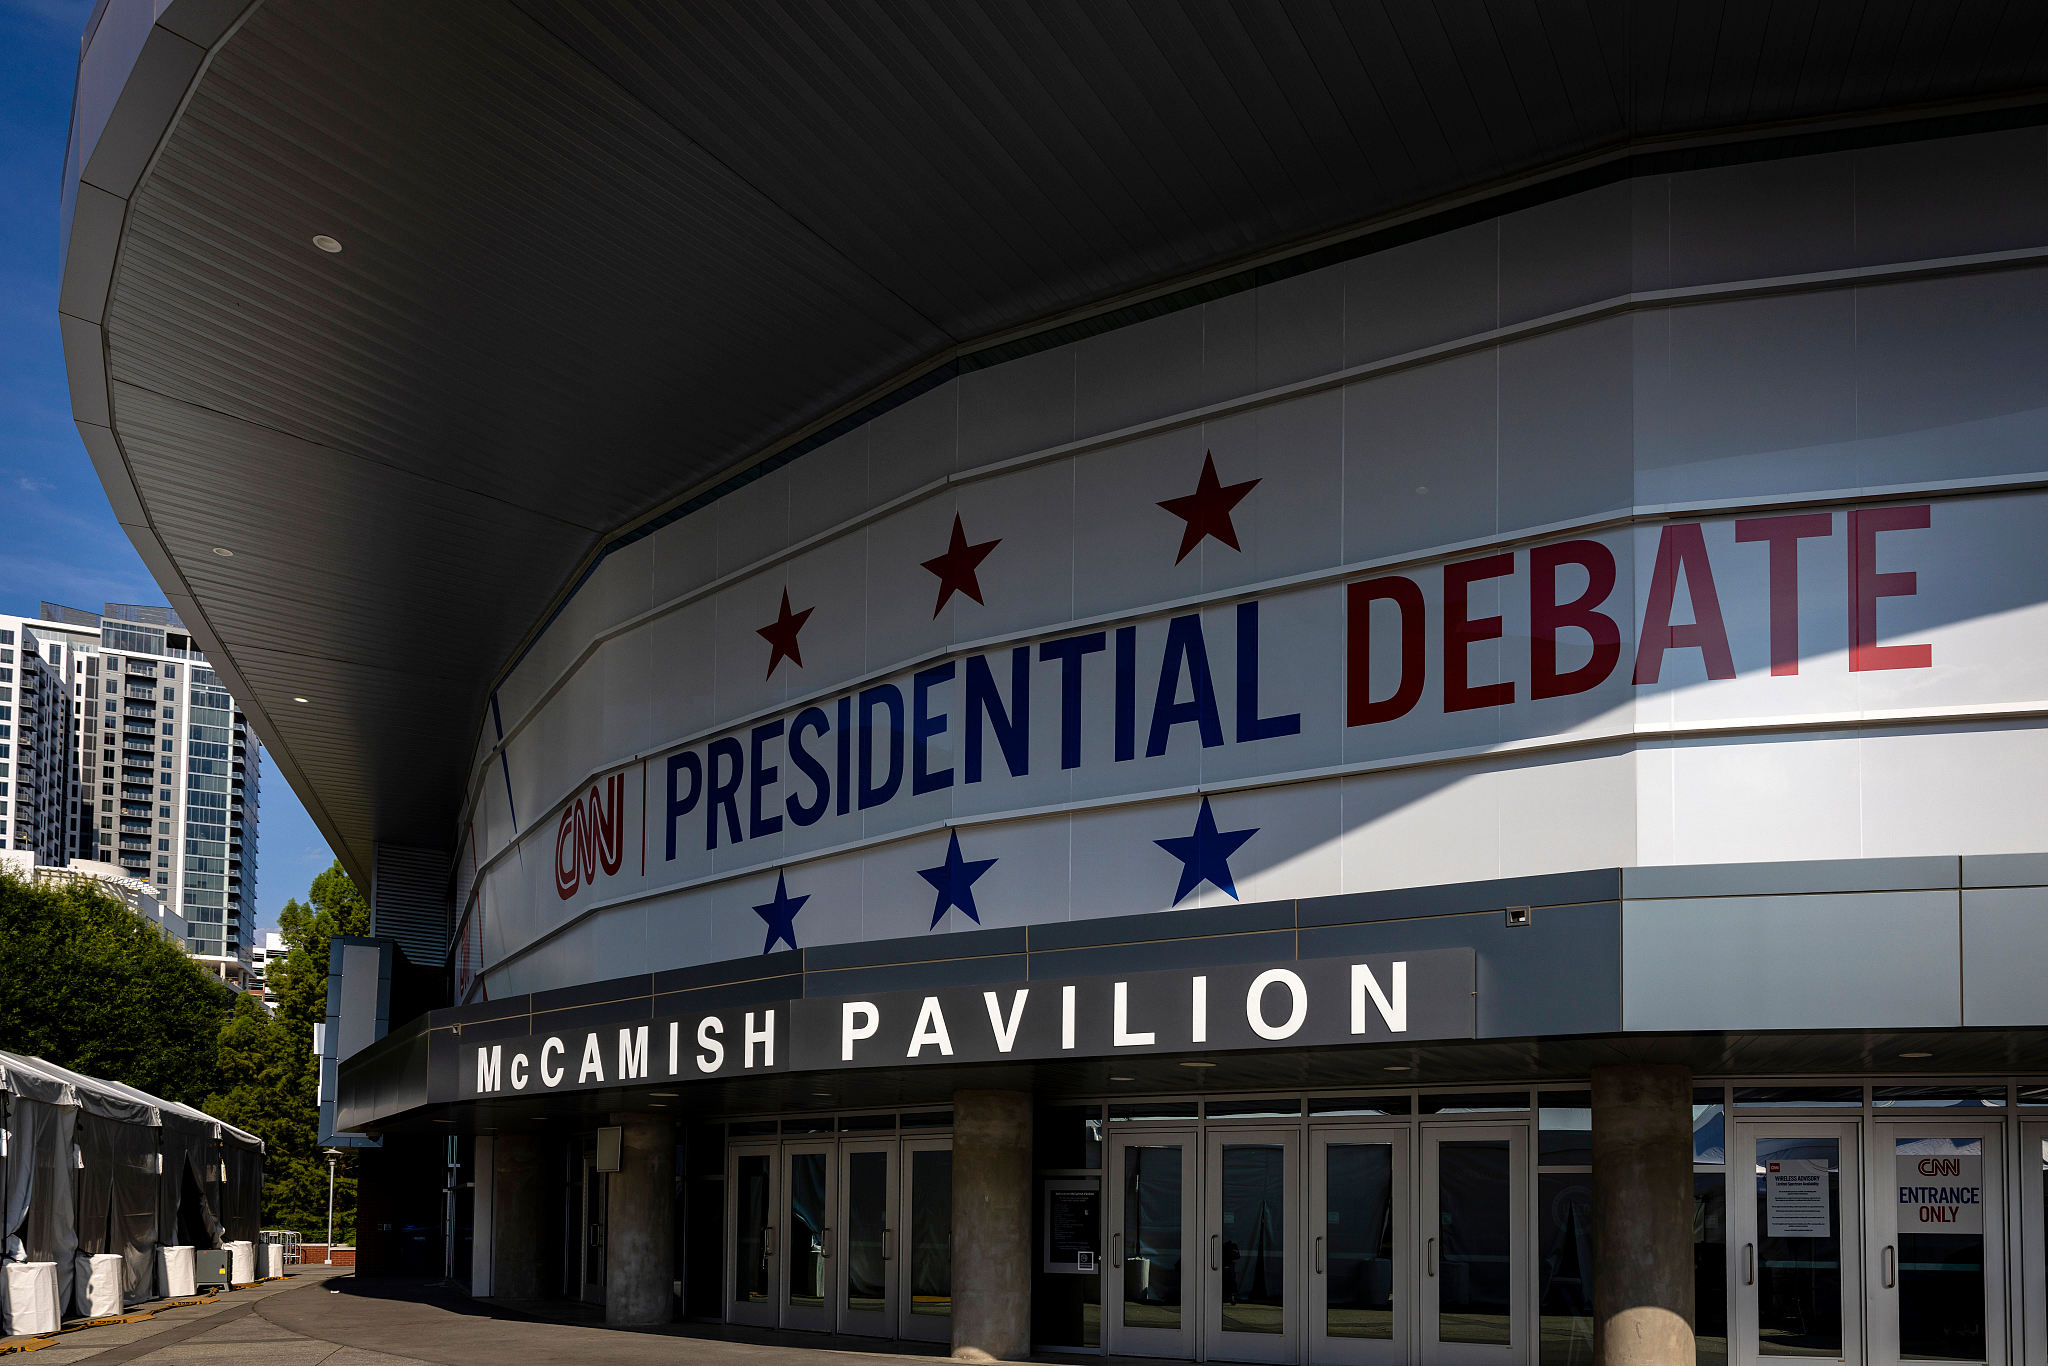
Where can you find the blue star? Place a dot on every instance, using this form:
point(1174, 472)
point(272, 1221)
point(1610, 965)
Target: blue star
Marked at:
point(1205, 855)
point(954, 881)
point(780, 915)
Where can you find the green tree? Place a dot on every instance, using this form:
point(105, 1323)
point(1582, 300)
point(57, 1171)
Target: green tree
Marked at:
point(270, 1075)
point(90, 985)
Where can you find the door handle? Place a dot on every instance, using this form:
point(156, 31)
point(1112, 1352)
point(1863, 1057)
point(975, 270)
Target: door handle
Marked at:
point(1749, 1263)
point(1319, 1256)
point(1432, 1256)
point(768, 1241)
point(1891, 1267)
point(888, 1244)
point(1215, 1252)
point(1116, 1250)
point(825, 1241)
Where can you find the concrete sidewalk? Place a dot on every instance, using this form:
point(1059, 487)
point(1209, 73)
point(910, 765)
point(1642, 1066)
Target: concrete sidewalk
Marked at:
point(165, 1331)
point(327, 1317)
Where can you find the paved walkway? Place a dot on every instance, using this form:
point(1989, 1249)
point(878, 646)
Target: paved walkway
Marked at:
point(324, 1317)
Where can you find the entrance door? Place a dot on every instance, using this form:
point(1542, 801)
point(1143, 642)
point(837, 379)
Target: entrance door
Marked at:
point(1252, 1279)
point(1149, 1303)
point(1474, 1299)
point(808, 1187)
point(1794, 1243)
point(592, 1222)
point(1360, 1281)
point(867, 1276)
point(925, 1237)
point(1937, 1242)
point(754, 1272)
point(2033, 1167)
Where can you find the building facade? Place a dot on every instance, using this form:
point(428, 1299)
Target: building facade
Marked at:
point(35, 710)
point(130, 752)
point(1447, 775)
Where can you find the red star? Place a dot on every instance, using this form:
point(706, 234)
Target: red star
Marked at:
point(956, 567)
point(1207, 510)
point(781, 635)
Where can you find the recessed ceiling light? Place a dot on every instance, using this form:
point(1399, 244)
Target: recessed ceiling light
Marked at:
point(821, 1095)
point(1397, 1067)
point(298, 699)
point(1916, 1055)
point(1198, 1064)
point(326, 243)
point(1123, 1078)
point(665, 1095)
point(657, 1105)
point(224, 552)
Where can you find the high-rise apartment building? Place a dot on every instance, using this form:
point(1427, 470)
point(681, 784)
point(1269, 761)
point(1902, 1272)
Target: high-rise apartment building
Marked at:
point(35, 762)
point(126, 748)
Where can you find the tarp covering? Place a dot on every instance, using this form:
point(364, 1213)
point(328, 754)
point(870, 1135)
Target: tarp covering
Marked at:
point(40, 1223)
point(94, 1166)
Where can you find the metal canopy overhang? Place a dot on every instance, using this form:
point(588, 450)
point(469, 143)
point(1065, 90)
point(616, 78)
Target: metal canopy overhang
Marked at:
point(600, 254)
point(1955, 1054)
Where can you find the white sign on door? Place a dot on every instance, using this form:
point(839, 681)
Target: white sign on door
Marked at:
point(1941, 1193)
point(1797, 1200)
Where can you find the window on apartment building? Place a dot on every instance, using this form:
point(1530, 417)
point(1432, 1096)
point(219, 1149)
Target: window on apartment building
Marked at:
point(106, 822)
point(164, 810)
point(163, 827)
point(164, 845)
point(107, 772)
point(162, 862)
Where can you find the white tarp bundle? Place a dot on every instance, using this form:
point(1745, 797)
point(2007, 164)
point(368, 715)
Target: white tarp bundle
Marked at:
point(94, 1168)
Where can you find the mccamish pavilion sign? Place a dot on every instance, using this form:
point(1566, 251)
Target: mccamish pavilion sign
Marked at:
point(1318, 1002)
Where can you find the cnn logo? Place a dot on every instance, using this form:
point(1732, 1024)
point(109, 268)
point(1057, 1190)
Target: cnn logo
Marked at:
point(592, 836)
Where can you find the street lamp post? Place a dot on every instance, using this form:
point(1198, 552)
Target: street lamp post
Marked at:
point(333, 1156)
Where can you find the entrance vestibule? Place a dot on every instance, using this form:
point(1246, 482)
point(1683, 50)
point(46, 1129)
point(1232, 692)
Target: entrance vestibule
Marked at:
point(1852, 1222)
point(841, 1226)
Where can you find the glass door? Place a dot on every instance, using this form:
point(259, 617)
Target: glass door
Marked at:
point(2034, 1238)
point(867, 1267)
point(807, 1251)
point(1360, 1269)
point(1252, 1282)
point(754, 1269)
point(1795, 1243)
point(925, 1239)
point(1937, 1242)
point(594, 1187)
point(1149, 1304)
point(1474, 1299)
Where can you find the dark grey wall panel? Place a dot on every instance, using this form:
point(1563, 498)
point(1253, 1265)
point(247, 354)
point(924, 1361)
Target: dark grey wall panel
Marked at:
point(1560, 974)
point(2005, 870)
point(873, 953)
point(1137, 929)
point(1782, 879)
point(1551, 889)
point(1850, 961)
point(1272, 946)
point(2005, 956)
point(946, 972)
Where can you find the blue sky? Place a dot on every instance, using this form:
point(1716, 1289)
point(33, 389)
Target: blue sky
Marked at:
point(58, 537)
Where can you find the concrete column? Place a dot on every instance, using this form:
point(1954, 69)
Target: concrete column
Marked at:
point(1642, 1215)
point(991, 1225)
point(515, 1243)
point(640, 1223)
